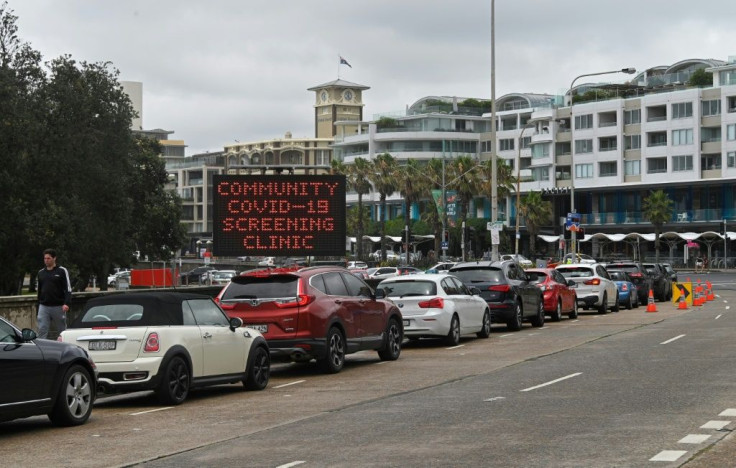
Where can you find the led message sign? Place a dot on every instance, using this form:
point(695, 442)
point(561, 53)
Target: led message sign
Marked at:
point(278, 215)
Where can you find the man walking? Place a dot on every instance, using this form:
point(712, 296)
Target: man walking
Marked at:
point(54, 295)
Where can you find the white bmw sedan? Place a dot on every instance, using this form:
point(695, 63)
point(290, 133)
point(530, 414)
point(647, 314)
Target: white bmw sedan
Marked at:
point(438, 306)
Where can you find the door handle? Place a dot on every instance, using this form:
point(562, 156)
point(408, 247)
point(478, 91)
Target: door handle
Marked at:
point(338, 301)
point(206, 335)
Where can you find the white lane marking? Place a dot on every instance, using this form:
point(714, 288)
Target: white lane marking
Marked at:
point(495, 398)
point(532, 334)
point(290, 383)
point(672, 339)
point(728, 412)
point(381, 362)
point(455, 347)
point(728, 307)
point(289, 465)
point(718, 316)
point(152, 411)
point(551, 382)
point(576, 320)
point(504, 336)
point(715, 425)
point(694, 439)
point(668, 455)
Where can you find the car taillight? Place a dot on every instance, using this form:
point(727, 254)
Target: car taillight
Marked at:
point(500, 288)
point(302, 298)
point(152, 344)
point(434, 303)
point(593, 282)
point(635, 275)
point(625, 287)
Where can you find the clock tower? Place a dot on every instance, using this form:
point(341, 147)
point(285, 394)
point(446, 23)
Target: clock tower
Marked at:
point(337, 100)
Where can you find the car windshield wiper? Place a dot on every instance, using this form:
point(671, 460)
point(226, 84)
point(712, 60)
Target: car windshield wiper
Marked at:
point(411, 294)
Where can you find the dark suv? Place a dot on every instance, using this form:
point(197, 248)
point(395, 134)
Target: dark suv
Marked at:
point(511, 295)
point(320, 313)
point(661, 284)
point(639, 276)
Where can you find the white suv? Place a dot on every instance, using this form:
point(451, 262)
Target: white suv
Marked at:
point(168, 342)
point(593, 286)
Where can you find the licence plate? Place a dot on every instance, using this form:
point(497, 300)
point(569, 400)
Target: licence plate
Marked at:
point(406, 323)
point(100, 345)
point(260, 328)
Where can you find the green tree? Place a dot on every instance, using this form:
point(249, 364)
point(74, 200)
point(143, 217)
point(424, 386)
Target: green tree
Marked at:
point(700, 77)
point(657, 208)
point(505, 179)
point(466, 181)
point(410, 187)
point(384, 181)
point(537, 212)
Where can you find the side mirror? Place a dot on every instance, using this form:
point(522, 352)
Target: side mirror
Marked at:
point(571, 283)
point(28, 335)
point(380, 294)
point(235, 322)
point(474, 291)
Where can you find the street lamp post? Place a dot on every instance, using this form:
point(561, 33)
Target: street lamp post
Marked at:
point(518, 184)
point(630, 70)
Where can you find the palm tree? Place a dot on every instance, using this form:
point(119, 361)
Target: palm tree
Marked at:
point(360, 173)
point(657, 209)
point(537, 212)
point(505, 180)
point(384, 181)
point(433, 180)
point(465, 180)
point(410, 189)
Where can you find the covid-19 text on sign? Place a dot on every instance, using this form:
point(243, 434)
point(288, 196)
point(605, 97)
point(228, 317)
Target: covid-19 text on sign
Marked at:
point(278, 215)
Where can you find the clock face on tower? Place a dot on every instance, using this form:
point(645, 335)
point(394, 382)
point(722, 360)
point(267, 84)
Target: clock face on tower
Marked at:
point(324, 96)
point(348, 95)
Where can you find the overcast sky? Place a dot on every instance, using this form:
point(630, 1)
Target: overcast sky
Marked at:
point(219, 70)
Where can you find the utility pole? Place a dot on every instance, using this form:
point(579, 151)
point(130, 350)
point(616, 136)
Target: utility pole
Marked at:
point(494, 157)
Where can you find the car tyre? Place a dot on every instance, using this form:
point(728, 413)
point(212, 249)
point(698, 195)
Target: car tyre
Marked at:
point(175, 381)
point(334, 361)
point(392, 342)
point(514, 324)
point(538, 320)
point(630, 304)
point(485, 330)
point(616, 306)
point(258, 370)
point(453, 336)
point(603, 308)
point(76, 395)
point(557, 315)
point(574, 313)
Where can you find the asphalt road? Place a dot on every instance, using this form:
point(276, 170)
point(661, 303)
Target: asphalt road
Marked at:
point(625, 389)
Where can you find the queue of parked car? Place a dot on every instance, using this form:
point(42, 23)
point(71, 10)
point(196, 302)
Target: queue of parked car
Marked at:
point(172, 342)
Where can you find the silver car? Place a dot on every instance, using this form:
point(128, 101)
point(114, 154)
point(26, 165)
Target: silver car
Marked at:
point(593, 285)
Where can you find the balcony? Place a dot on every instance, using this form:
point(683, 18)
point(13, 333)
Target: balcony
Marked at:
point(613, 218)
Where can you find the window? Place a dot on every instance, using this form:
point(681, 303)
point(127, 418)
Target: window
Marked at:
point(525, 142)
point(206, 312)
point(583, 146)
point(583, 121)
point(656, 165)
point(710, 162)
point(632, 168)
point(607, 169)
point(322, 158)
point(731, 158)
point(731, 132)
point(540, 151)
point(682, 110)
point(657, 139)
point(506, 144)
point(682, 137)
point(682, 163)
point(632, 116)
point(583, 171)
point(712, 107)
point(607, 144)
point(632, 142)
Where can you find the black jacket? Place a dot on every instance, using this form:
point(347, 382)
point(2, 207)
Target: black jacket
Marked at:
point(54, 287)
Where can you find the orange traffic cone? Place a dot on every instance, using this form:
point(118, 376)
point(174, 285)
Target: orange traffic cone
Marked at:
point(710, 296)
point(682, 303)
point(651, 306)
point(697, 302)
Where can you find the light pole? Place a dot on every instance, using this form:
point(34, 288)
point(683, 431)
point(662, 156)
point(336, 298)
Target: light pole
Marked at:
point(518, 184)
point(630, 70)
point(494, 157)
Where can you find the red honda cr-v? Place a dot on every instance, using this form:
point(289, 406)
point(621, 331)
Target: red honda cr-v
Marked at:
point(320, 313)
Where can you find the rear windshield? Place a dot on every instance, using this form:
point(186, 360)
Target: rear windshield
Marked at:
point(479, 275)
point(270, 287)
point(409, 288)
point(618, 275)
point(536, 276)
point(114, 313)
point(576, 272)
point(628, 268)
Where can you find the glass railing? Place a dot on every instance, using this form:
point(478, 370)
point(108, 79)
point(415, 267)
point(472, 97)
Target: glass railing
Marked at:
point(637, 217)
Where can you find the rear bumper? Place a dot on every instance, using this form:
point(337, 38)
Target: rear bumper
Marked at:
point(589, 301)
point(502, 312)
point(141, 374)
point(297, 350)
